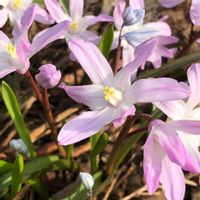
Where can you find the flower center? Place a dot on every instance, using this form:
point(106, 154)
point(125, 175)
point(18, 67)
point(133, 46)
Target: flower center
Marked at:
point(112, 95)
point(17, 4)
point(11, 50)
point(73, 25)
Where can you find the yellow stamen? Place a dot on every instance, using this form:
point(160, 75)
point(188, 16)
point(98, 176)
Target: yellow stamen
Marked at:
point(112, 95)
point(17, 4)
point(73, 25)
point(11, 50)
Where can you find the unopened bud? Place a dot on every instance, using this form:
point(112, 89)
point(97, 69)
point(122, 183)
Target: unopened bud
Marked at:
point(132, 16)
point(87, 180)
point(49, 76)
point(19, 146)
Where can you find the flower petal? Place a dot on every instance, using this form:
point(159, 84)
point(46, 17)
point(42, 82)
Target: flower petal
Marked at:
point(90, 95)
point(76, 9)
point(152, 163)
point(3, 17)
point(86, 21)
point(172, 180)
point(47, 37)
point(194, 13)
point(157, 89)
point(136, 4)
point(175, 110)
point(130, 70)
point(193, 74)
point(85, 125)
point(56, 11)
point(117, 13)
point(92, 61)
point(170, 3)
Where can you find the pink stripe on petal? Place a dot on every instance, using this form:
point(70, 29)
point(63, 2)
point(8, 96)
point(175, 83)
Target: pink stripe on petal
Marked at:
point(85, 125)
point(90, 95)
point(92, 61)
point(157, 89)
point(76, 9)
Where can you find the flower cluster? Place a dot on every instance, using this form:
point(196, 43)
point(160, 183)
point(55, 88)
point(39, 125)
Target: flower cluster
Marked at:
point(113, 94)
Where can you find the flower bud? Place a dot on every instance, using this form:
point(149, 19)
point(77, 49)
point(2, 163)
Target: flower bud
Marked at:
point(132, 16)
point(87, 180)
point(49, 76)
point(19, 145)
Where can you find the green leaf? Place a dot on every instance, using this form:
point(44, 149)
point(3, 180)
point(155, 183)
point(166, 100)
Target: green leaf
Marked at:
point(106, 41)
point(100, 144)
point(12, 105)
point(34, 167)
point(40, 2)
point(5, 166)
point(171, 66)
point(17, 175)
point(65, 4)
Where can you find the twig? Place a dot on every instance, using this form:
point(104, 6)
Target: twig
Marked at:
point(135, 193)
point(20, 195)
point(51, 121)
point(32, 82)
point(117, 64)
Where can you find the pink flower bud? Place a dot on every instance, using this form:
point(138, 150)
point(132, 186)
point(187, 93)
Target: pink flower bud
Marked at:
point(48, 76)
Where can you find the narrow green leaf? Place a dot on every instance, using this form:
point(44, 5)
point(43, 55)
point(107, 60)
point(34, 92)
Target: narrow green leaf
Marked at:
point(12, 105)
point(5, 166)
point(65, 4)
point(33, 167)
point(106, 41)
point(17, 175)
point(171, 66)
point(100, 144)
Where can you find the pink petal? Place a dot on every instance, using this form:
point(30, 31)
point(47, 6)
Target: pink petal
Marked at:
point(136, 4)
point(152, 163)
point(56, 11)
point(76, 9)
point(92, 61)
point(47, 37)
point(42, 16)
point(3, 40)
point(90, 95)
point(85, 125)
point(130, 70)
point(86, 21)
point(172, 180)
point(160, 89)
point(170, 3)
point(3, 17)
point(117, 13)
point(193, 74)
point(175, 110)
point(128, 54)
point(194, 13)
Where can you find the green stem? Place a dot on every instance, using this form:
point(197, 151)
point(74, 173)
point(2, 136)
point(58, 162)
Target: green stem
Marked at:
point(171, 66)
point(113, 156)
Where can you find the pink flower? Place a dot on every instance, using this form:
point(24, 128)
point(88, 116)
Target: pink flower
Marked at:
point(78, 23)
point(194, 10)
point(111, 98)
point(188, 111)
point(165, 155)
point(15, 53)
point(136, 34)
point(14, 10)
point(49, 76)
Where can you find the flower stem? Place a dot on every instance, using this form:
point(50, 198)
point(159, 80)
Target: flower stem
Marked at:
point(50, 120)
point(33, 84)
point(117, 64)
point(122, 135)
